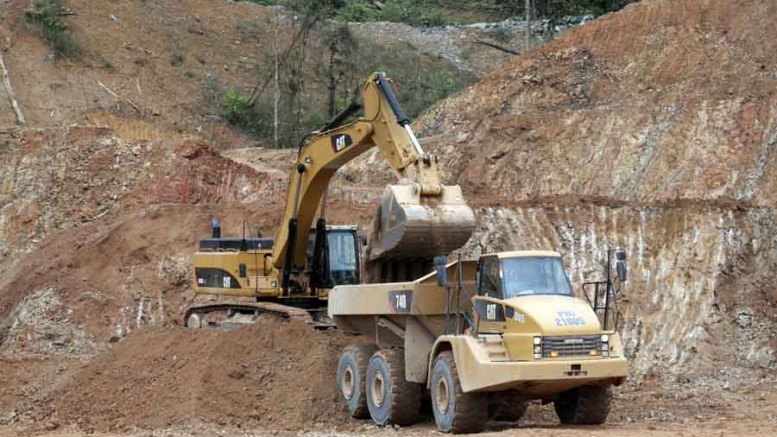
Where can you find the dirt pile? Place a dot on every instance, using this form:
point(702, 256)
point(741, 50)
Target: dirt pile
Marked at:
point(272, 375)
point(110, 277)
point(103, 221)
point(99, 222)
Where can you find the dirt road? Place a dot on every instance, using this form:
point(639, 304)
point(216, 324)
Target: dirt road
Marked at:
point(716, 429)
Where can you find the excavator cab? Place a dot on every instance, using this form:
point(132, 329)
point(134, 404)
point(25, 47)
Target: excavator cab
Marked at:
point(333, 256)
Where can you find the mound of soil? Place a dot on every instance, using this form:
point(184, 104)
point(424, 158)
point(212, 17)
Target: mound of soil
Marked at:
point(274, 374)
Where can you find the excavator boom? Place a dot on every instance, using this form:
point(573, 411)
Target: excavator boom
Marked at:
point(418, 218)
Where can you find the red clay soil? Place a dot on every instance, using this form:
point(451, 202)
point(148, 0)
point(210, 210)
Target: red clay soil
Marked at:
point(275, 374)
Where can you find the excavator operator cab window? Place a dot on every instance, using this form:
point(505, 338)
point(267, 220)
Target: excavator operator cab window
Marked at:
point(488, 277)
point(340, 265)
point(343, 257)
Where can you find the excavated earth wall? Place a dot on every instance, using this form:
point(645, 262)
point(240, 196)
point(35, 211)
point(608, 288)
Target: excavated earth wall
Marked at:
point(700, 295)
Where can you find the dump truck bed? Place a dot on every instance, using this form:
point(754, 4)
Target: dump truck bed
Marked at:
point(349, 304)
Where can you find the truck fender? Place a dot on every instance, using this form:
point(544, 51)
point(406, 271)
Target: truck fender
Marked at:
point(442, 344)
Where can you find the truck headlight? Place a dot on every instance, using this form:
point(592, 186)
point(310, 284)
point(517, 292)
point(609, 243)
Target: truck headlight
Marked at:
point(605, 345)
point(537, 340)
point(605, 338)
point(537, 348)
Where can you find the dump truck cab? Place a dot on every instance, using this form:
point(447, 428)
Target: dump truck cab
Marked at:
point(482, 338)
point(529, 332)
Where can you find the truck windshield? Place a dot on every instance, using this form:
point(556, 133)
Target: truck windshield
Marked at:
point(523, 276)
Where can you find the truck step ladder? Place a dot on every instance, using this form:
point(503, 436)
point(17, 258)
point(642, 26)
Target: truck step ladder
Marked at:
point(494, 346)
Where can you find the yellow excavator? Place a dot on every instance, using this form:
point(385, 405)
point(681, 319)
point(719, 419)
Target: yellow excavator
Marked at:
point(238, 279)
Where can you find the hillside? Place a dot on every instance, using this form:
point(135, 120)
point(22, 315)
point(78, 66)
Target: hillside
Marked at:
point(172, 64)
point(662, 101)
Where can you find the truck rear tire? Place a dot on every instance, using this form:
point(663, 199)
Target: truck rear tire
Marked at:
point(507, 406)
point(586, 405)
point(390, 398)
point(351, 377)
point(455, 411)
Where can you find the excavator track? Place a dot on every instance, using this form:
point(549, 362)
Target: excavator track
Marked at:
point(231, 315)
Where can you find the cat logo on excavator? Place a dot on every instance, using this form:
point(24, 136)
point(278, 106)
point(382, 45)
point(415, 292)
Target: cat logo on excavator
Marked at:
point(340, 142)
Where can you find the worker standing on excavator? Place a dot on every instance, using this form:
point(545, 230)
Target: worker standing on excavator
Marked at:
point(215, 227)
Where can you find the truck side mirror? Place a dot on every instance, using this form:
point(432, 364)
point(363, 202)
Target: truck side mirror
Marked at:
point(620, 265)
point(442, 270)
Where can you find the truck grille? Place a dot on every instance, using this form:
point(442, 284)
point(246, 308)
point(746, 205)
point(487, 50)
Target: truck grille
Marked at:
point(571, 346)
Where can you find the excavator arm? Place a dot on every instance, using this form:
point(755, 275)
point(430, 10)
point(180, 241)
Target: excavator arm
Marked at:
point(419, 217)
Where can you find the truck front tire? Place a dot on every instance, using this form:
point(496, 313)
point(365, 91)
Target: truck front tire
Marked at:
point(455, 411)
point(586, 405)
point(351, 377)
point(390, 398)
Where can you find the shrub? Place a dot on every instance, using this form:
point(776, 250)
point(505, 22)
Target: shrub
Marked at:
point(236, 107)
point(45, 15)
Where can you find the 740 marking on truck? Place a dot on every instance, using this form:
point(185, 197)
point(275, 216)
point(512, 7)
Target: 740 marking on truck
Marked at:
point(400, 301)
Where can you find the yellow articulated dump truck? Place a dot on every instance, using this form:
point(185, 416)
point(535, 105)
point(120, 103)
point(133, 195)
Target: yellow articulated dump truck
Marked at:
point(507, 329)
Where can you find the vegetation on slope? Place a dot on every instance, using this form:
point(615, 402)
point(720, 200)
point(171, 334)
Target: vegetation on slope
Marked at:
point(442, 12)
point(45, 16)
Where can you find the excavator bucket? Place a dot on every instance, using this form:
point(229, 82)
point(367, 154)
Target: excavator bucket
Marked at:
point(415, 226)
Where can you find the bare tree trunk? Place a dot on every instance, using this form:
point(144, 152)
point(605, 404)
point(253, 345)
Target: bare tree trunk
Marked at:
point(497, 46)
point(7, 81)
point(332, 85)
point(527, 42)
point(301, 128)
point(277, 96)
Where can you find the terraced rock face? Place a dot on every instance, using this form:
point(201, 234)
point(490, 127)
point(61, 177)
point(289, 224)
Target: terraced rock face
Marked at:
point(56, 178)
